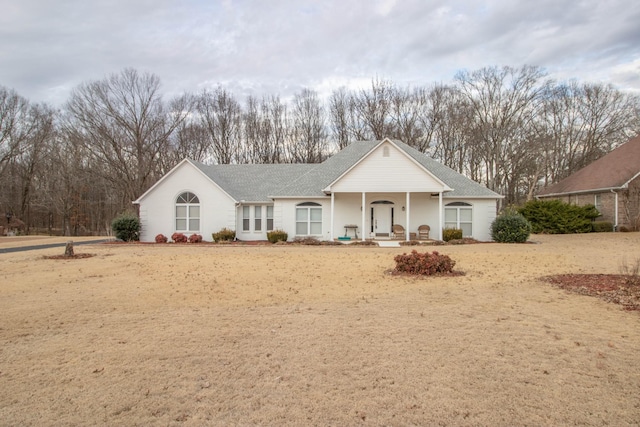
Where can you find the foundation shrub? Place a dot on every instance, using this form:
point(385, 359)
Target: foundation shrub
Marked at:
point(224, 235)
point(601, 226)
point(425, 264)
point(179, 238)
point(276, 236)
point(195, 238)
point(161, 238)
point(510, 227)
point(451, 234)
point(126, 227)
point(557, 217)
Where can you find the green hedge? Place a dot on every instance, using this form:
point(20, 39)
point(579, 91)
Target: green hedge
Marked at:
point(556, 217)
point(602, 226)
point(126, 227)
point(451, 234)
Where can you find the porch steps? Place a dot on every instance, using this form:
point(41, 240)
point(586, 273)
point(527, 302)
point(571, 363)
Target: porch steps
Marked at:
point(388, 243)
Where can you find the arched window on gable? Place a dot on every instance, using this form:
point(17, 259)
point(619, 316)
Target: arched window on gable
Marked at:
point(188, 212)
point(309, 219)
point(459, 215)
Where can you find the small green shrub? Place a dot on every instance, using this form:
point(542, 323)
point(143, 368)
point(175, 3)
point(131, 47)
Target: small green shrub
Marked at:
point(161, 238)
point(451, 234)
point(424, 264)
point(179, 238)
point(126, 227)
point(276, 236)
point(557, 217)
point(195, 238)
point(510, 227)
point(601, 226)
point(224, 235)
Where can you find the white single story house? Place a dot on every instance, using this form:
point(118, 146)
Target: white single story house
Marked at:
point(363, 190)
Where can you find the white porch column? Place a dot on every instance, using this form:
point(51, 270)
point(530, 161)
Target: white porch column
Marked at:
point(408, 211)
point(440, 210)
point(333, 199)
point(364, 216)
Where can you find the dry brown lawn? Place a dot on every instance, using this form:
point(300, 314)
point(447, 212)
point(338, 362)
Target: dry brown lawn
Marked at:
point(304, 335)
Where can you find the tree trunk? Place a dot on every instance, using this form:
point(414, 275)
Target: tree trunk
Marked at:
point(68, 249)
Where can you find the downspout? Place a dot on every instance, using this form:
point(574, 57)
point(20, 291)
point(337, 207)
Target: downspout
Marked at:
point(238, 204)
point(615, 209)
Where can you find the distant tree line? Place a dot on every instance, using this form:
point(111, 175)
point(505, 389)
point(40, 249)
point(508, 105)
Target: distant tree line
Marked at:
point(70, 171)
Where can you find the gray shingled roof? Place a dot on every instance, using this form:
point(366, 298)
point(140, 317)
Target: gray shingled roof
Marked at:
point(259, 182)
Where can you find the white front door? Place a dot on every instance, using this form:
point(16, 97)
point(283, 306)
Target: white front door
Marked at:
point(381, 219)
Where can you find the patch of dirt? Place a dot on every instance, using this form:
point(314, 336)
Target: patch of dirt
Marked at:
point(616, 288)
point(75, 256)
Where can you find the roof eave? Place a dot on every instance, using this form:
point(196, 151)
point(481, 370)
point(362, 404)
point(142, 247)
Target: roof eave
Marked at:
point(593, 190)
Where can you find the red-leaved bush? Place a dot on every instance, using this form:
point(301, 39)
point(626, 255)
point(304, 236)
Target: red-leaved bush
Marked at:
point(161, 238)
point(179, 238)
point(195, 238)
point(423, 263)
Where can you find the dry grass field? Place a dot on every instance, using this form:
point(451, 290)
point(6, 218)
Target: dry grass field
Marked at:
point(192, 335)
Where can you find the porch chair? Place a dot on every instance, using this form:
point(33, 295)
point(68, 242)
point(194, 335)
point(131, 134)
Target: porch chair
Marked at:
point(423, 232)
point(398, 231)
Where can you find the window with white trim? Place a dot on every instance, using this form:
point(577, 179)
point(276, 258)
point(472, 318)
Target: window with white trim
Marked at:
point(459, 215)
point(309, 219)
point(269, 218)
point(257, 218)
point(187, 212)
point(246, 220)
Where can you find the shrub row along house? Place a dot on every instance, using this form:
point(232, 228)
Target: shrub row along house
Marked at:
point(370, 189)
point(611, 183)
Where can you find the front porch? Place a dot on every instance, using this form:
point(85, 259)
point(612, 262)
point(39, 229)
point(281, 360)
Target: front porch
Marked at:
point(386, 216)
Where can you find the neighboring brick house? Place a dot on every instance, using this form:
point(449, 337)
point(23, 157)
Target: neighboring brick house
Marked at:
point(611, 183)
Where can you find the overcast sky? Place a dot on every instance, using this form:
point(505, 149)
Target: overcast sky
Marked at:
point(47, 47)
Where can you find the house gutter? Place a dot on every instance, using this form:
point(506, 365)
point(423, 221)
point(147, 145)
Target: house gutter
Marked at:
point(594, 190)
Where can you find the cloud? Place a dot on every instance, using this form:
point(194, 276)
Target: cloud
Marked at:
point(281, 46)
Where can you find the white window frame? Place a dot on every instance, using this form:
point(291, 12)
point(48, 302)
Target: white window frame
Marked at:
point(269, 217)
point(187, 212)
point(257, 218)
point(456, 207)
point(309, 215)
point(246, 219)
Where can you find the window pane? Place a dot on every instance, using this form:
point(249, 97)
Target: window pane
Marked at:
point(302, 214)
point(450, 225)
point(194, 224)
point(258, 225)
point(316, 228)
point(269, 224)
point(301, 228)
point(245, 224)
point(269, 211)
point(316, 214)
point(194, 211)
point(451, 215)
point(245, 212)
point(181, 211)
point(258, 212)
point(466, 215)
point(181, 224)
point(466, 230)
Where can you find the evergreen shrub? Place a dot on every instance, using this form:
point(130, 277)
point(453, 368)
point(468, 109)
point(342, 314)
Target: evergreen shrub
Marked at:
point(126, 226)
point(451, 234)
point(557, 217)
point(601, 226)
point(510, 227)
point(224, 235)
point(276, 236)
